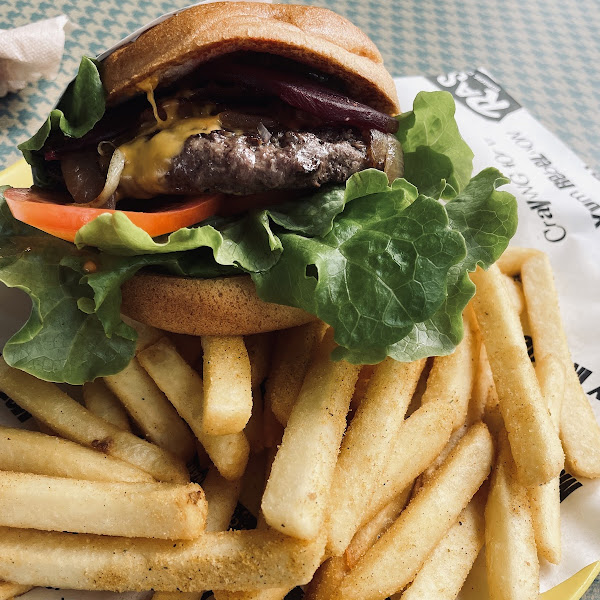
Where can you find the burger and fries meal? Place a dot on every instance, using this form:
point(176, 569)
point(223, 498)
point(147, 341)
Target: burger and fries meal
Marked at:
point(273, 289)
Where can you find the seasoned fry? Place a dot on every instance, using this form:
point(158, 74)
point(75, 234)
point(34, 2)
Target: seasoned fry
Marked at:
point(235, 560)
point(327, 579)
point(370, 532)
point(49, 404)
point(297, 492)
point(451, 377)
point(511, 557)
point(221, 497)
point(579, 430)
point(184, 388)
point(396, 557)
point(512, 259)
point(259, 347)
point(291, 358)
point(33, 452)
point(150, 409)
point(10, 590)
point(445, 570)
point(534, 442)
point(420, 439)
point(103, 403)
point(147, 335)
point(227, 385)
point(544, 499)
point(156, 510)
point(367, 446)
point(484, 381)
point(177, 595)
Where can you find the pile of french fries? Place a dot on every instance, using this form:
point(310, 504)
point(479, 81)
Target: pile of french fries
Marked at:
point(367, 482)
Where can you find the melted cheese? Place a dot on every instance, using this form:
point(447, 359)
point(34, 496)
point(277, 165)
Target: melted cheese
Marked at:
point(148, 157)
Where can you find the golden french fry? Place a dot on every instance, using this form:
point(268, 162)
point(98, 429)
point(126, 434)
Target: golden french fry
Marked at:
point(10, 590)
point(512, 259)
point(292, 354)
point(103, 403)
point(259, 347)
point(534, 442)
point(367, 446)
point(221, 497)
point(46, 402)
point(453, 557)
point(227, 385)
point(579, 430)
point(370, 532)
point(420, 439)
point(511, 557)
point(147, 335)
point(327, 579)
point(33, 452)
point(451, 377)
point(184, 389)
point(254, 427)
point(484, 381)
point(156, 510)
point(515, 293)
point(234, 560)
point(297, 492)
point(177, 595)
point(544, 499)
point(396, 557)
point(266, 594)
point(362, 383)
point(441, 457)
point(151, 410)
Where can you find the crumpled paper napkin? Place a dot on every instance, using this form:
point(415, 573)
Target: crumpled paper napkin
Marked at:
point(30, 53)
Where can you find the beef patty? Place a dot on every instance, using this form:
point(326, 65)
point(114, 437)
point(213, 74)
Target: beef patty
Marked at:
point(223, 161)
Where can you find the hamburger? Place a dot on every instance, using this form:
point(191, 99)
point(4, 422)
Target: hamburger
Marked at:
point(241, 168)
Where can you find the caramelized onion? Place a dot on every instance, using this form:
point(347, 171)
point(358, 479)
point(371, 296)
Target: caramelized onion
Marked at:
point(82, 175)
point(385, 152)
point(113, 177)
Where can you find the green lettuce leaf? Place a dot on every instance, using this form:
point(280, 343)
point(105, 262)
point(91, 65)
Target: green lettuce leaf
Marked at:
point(79, 109)
point(436, 158)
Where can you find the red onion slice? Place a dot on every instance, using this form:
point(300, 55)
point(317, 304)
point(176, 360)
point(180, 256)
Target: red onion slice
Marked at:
point(309, 96)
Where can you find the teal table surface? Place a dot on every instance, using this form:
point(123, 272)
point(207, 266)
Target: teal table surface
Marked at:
point(546, 53)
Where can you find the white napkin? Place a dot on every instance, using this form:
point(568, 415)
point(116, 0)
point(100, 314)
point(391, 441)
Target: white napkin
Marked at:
point(30, 53)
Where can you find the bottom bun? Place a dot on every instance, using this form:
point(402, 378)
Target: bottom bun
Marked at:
point(222, 306)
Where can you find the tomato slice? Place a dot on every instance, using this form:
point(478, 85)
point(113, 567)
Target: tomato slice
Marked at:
point(44, 211)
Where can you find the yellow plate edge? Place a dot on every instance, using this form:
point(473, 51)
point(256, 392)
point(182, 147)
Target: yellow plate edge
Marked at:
point(19, 175)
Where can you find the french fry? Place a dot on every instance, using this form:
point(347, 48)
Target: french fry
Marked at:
point(221, 497)
point(272, 428)
point(265, 594)
point(147, 335)
point(511, 558)
point(254, 427)
point(10, 590)
point(579, 430)
point(291, 358)
point(420, 439)
point(155, 510)
point(484, 380)
point(327, 579)
point(396, 557)
point(234, 560)
point(515, 293)
point(512, 259)
point(184, 389)
point(544, 499)
point(177, 595)
point(367, 445)
point(227, 402)
point(534, 442)
point(33, 452)
point(451, 377)
point(151, 410)
point(49, 404)
point(103, 403)
point(297, 492)
point(259, 347)
point(370, 532)
point(445, 570)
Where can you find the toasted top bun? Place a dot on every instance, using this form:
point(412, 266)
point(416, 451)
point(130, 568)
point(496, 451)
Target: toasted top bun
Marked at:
point(310, 35)
point(222, 306)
